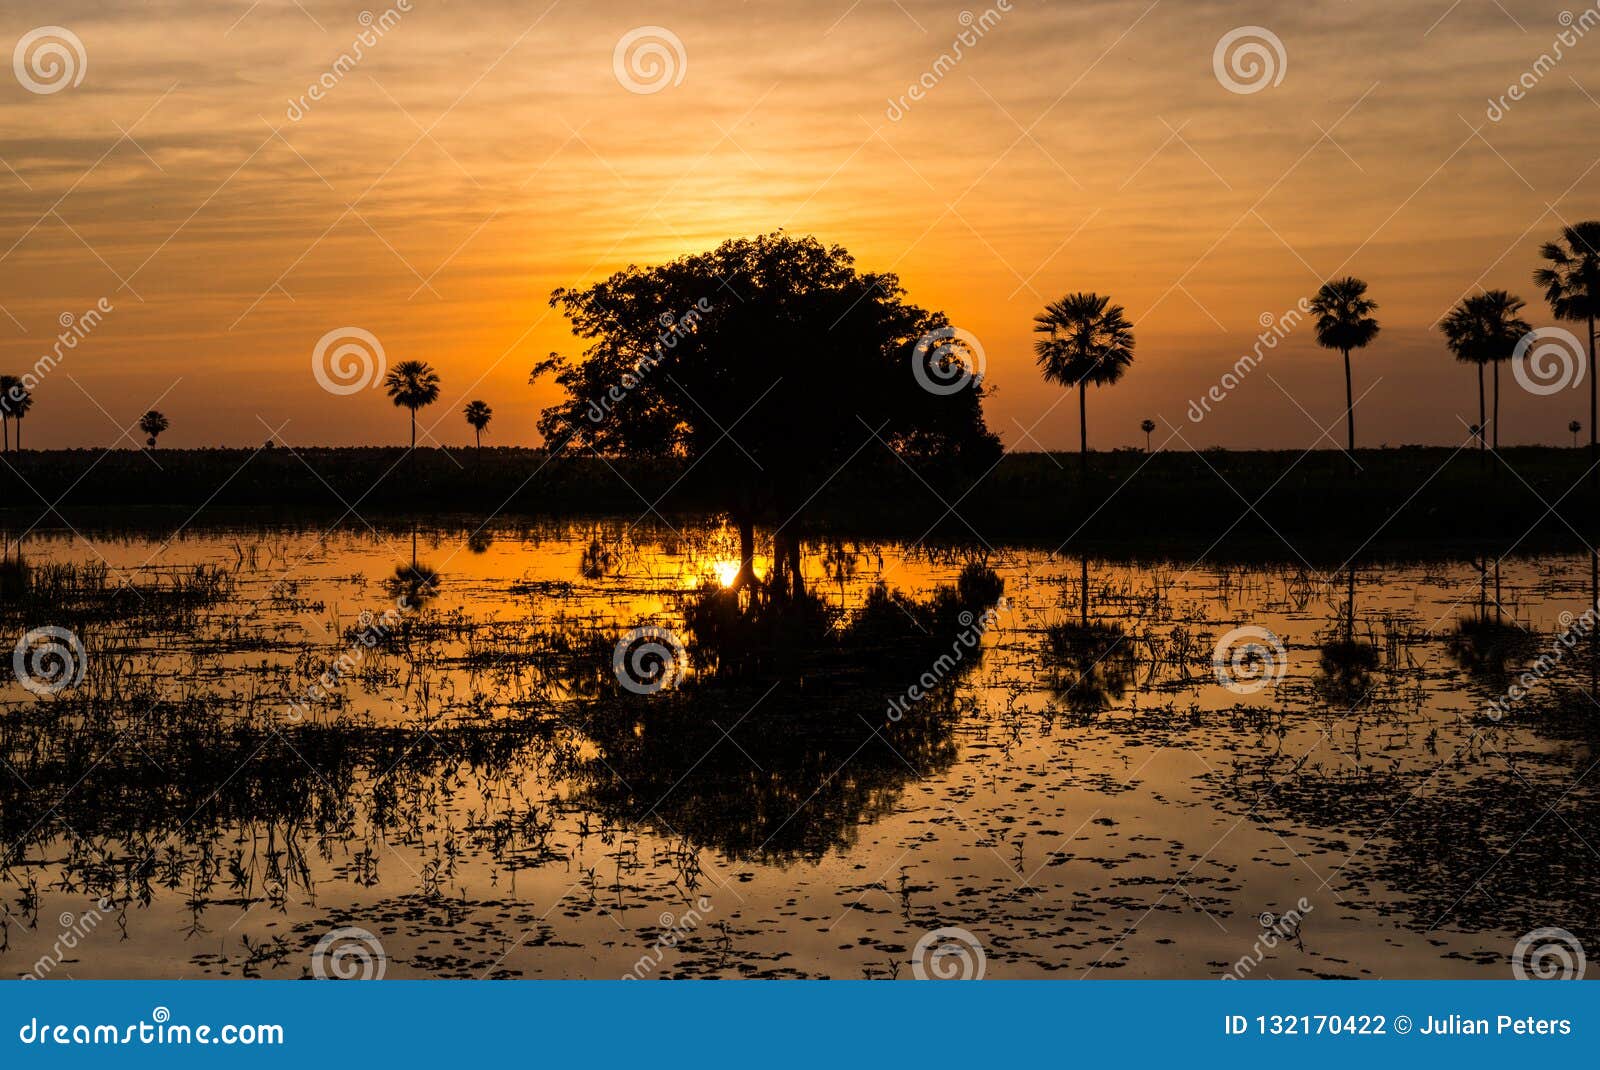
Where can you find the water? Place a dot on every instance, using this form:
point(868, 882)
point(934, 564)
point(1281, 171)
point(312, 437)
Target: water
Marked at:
point(478, 796)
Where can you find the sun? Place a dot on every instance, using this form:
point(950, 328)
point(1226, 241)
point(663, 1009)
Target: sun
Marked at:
point(727, 572)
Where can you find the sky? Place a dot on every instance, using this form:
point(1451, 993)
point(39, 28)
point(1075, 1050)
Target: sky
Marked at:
point(478, 155)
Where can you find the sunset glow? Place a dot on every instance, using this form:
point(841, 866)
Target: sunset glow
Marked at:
point(468, 164)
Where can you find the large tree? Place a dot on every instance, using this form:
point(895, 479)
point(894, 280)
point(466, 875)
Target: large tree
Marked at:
point(412, 384)
point(766, 363)
point(1084, 341)
point(1345, 322)
point(1484, 329)
point(1572, 287)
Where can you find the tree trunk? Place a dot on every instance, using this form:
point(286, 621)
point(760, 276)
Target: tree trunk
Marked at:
point(778, 577)
point(796, 577)
point(478, 438)
point(413, 428)
point(1349, 406)
point(1083, 420)
point(1593, 443)
point(747, 551)
point(6, 421)
point(1480, 405)
point(1494, 421)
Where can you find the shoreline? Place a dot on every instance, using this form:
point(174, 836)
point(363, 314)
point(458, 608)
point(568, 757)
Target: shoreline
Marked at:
point(1411, 501)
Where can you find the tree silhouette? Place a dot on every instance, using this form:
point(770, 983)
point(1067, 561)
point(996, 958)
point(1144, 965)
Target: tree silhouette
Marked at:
point(1090, 342)
point(478, 415)
point(152, 424)
point(1147, 426)
point(767, 364)
point(1484, 329)
point(18, 400)
point(1574, 427)
point(1572, 288)
point(1344, 322)
point(8, 384)
point(412, 384)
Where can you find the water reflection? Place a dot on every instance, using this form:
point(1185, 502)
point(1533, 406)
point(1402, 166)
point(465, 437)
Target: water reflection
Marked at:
point(841, 763)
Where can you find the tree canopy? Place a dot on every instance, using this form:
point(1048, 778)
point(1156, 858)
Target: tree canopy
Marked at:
point(769, 362)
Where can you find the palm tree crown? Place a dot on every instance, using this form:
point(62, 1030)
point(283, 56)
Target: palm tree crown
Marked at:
point(1484, 329)
point(1088, 340)
point(1572, 281)
point(412, 384)
point(478, 415)
point(1344, 322)
point(152, 424)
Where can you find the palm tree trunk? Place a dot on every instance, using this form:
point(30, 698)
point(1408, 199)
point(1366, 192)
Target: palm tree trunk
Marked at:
point(1083, 420)
point(1594, 444)
point(477, 434)
point(1480, 405)
point(1349, 406)
point(413, 428)
point(1494, 421)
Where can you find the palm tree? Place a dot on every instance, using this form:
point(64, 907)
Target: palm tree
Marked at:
point(7, 384)
point(1147, 426)
point(152, 424)
point(412, 384)
point(1572, 287)
point(1484, 329)
point(1574, 427)
point(18, 401)
point(478, 415)
point(1090, 341)
point(1344, 322)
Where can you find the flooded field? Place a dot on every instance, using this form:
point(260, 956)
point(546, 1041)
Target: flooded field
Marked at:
point(589, 750)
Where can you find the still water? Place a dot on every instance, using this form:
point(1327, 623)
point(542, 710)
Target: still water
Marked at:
point(424, 744)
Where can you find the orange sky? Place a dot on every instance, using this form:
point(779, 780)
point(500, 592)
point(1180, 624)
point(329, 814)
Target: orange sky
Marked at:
point(481, 154)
